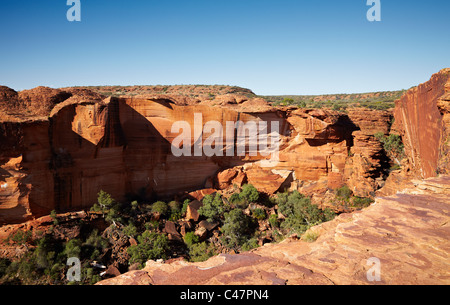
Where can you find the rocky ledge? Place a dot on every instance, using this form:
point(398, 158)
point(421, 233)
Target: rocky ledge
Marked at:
point(407, 232)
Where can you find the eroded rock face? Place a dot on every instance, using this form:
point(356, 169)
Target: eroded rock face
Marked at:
point(422, 118)
point(424, 126)
point(407, 233)
point(125, 145)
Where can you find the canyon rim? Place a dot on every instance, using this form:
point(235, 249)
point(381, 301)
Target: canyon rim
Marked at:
point(60, 147)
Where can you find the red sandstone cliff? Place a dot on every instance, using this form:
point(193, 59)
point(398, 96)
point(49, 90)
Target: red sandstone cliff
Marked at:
point(422, 118)
point(424, 126)
point(61, 158)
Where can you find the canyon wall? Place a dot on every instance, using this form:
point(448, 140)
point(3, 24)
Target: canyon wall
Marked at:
point(422, 119)
point(73, 144)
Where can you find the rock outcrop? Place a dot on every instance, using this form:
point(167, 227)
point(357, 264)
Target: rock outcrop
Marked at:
point(424, 125)
point(406, 233)
point(422, 118)
point(123, 145)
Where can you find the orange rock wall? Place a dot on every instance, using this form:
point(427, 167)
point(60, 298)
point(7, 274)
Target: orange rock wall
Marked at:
point(420, 122)
point(123, 145)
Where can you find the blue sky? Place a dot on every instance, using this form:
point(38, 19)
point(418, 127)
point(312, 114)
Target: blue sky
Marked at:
point(272, 47)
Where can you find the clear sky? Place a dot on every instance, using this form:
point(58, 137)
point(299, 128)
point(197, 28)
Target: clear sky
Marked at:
point(272, 47)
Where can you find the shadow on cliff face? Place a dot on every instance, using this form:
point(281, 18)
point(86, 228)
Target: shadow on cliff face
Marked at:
point(341, 130)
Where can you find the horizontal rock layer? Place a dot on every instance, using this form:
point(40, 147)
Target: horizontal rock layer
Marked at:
point(125, 145)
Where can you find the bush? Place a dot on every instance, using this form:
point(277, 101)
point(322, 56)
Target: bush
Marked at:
point(310, 236)
point(344, 193)
point(21, 237)
point(213, 207)
point(130, 230)
point(175, 210)
point(392, 144)
point(190, 239)
point(361, 202)
point(250, 244)
point(185, 206)
point(107, 204)
point(249, 193)
point(53, 215)
point(300, 213)
point(160, 207)
point(4, 264)
point(151, 246)
point(94, 245)
point(201, 252)
point(273, 221)
point(236, 228)
point(105, 200)
point(259, 214)
point(235, 199)
point(301, 104)
point(73, 248)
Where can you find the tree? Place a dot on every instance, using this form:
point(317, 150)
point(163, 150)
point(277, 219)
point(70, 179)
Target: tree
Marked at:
point(300, 213)
point(249, 193)
point(151, 246)
point(235, 228)
point(213, 207)
point(73, 248)
point(259, 214)
point(160, 207)
point(185, 206)
point(190, 238)
point(201, 252)
point(105, 200)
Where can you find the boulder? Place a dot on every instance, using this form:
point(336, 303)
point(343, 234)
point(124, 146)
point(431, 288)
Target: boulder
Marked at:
point(192, 210)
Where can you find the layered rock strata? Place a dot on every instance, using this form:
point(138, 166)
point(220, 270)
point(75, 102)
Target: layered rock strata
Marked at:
point(126, 145)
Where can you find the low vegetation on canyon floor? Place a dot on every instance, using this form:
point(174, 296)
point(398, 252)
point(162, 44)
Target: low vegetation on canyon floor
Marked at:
point(127, 234)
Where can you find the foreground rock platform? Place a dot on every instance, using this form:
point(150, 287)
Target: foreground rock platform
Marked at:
point(408, 232)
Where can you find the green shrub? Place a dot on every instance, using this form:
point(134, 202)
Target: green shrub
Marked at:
point(107, 204)
point(235, 199)
point(236, 228)
point(160, 207)
point(151, 246)
point(213, 207)
point(105, 200)
point(175, 207)
point(301, 104)
point(53, 215)
point(73, 248)
point(259, 214)
point(392, 144)
point(4, 264)
point(130, 230)
point(175, 210)
point(250, 244)
point(344, 192)
point(185, 206)
point(273, 221)
point(190, 238)
point(201, 252)
point(21, 237)
point(249, 193)
point(300, 213)
point(310, 236)
point(361, 202)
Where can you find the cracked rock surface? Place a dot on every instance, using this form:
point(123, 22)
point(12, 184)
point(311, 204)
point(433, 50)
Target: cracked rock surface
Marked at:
point(408, 233)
